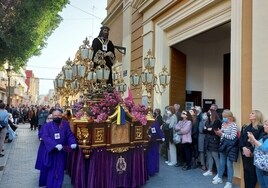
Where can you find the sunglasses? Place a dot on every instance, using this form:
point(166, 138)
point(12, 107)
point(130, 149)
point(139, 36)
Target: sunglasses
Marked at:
point(184, 113)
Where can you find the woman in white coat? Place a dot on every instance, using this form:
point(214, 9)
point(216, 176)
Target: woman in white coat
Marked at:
point(172, 152)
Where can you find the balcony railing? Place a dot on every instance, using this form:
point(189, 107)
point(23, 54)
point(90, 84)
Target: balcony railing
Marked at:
point(15, 91)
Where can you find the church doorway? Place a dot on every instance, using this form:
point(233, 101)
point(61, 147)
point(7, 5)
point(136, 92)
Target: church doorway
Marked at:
point(200, 68)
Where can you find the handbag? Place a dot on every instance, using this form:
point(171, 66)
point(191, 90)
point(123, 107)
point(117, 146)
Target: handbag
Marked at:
point(176, 138)
point(261, 159)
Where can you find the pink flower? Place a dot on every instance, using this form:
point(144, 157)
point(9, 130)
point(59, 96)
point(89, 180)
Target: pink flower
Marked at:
point(107, 105)
point(79, 114)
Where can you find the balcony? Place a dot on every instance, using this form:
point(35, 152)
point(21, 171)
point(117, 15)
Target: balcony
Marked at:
point(15, 91)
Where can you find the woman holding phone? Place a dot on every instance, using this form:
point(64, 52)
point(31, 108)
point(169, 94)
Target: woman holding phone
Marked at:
point(262, 145)
point(255, 126)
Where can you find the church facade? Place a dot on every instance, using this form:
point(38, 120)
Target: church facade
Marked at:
point(215, 51)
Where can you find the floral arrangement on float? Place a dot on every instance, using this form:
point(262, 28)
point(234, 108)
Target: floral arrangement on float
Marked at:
point(99, 111)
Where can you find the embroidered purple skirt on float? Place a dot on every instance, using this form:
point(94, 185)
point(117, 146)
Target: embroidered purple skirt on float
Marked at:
point(108, 170)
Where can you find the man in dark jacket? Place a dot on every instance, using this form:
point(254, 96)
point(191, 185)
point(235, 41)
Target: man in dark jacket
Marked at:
point(15, 114)
point(42, 116)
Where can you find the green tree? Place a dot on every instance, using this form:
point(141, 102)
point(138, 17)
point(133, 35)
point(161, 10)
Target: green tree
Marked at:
point(25, 26)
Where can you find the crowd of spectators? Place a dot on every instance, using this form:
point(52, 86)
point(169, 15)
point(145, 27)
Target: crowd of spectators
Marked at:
point(212, 141)
point(12, 116)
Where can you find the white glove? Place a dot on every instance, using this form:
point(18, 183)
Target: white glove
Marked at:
point(73, 146)
point(59, 147)
point(163, 139)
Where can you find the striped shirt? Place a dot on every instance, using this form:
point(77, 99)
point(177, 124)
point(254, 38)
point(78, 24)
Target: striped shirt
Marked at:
point(229, 132)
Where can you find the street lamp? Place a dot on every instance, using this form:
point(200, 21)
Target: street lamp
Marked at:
point(149, 79)
point(9, 74)
point(118, 82)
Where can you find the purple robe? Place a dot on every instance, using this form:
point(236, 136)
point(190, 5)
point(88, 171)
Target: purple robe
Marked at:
point(50, 161)
point(42, 160)
point(152, 155)
point(41, 164)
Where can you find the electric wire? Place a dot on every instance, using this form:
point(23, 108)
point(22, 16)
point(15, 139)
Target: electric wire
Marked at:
point(86, 12)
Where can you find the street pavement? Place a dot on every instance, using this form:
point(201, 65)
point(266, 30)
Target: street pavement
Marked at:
point(17, 167)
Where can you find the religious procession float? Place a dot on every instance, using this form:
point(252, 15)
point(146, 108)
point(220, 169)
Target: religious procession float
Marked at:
point(112, 144)
point(112, 132)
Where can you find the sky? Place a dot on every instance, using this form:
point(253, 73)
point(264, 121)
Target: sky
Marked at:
point(81, 19)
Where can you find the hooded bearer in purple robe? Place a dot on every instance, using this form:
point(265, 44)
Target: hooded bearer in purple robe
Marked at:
point(57, 139)
point(152, 156)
